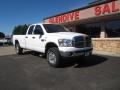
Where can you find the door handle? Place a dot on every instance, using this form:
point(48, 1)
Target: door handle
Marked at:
point(42, 40)
point(26, 37)
point(33, 37)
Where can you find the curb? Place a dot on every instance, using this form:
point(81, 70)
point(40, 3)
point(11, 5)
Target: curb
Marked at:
point(106, 53)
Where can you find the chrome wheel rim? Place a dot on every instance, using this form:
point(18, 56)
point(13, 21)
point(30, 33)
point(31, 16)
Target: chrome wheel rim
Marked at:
point(17, 49)
point(52, 57)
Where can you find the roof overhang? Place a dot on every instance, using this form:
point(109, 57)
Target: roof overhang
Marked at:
point(100, 12)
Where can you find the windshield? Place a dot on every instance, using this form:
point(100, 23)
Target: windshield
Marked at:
point(52, 28)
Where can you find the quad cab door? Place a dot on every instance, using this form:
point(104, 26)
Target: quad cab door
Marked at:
point(28, 37)
point(38, 39)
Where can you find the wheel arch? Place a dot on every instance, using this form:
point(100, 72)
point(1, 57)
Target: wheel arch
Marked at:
point(49, 45)
point(16, 42)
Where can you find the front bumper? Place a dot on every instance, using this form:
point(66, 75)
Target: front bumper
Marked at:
point(77, 52)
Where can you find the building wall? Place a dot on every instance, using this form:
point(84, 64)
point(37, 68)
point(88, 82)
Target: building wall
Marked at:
point(107, 45)
point(98, 13)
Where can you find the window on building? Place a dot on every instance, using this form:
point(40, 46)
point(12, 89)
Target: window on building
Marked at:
point(113, 29)
point(90, 29)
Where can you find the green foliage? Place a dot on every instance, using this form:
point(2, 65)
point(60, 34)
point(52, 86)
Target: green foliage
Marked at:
point(2, 35)
point(20, 30)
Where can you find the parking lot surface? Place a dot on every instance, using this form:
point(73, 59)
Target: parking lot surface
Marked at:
point(30, 72)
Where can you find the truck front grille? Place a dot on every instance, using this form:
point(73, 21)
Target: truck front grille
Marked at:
point(81, 41)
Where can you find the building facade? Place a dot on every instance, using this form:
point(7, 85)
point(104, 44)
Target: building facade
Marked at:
point(99, 20)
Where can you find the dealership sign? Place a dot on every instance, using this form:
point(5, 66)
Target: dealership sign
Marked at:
point(65, 17)
point(99, 10)
point(106, 8)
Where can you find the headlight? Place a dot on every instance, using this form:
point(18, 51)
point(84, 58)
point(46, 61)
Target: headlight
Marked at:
point(65, 42)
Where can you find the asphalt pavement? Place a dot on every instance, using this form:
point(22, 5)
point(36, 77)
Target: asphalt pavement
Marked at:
point(31, 72)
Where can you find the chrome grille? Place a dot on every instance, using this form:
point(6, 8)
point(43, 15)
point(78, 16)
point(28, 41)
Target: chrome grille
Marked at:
point(81, 41)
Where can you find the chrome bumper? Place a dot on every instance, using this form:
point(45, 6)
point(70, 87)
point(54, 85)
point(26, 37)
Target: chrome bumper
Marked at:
point(84, 52)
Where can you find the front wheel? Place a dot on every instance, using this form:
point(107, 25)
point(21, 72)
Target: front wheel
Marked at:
point(18, 49)
point(54, 57)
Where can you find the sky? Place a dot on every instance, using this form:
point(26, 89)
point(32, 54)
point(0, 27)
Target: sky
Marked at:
point(19, 12)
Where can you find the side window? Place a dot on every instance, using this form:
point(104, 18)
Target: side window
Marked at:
point(30, 30)
point(38, 30)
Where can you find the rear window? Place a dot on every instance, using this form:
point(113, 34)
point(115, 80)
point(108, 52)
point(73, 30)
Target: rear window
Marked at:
point(30, 30)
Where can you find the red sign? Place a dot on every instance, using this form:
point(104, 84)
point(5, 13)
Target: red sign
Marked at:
point(106, 8)
point(65, 17)
point(99, 10)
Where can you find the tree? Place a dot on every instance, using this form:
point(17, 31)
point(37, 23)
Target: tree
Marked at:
point(2, 35)
point(20, 29)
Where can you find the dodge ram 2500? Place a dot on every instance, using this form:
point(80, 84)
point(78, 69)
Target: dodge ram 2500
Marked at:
point(53, 40)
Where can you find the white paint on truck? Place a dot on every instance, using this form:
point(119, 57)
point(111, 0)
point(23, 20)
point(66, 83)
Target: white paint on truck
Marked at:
point(53, 40)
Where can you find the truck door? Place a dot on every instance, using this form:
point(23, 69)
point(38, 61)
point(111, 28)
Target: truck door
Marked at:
point(28, 38)
point(38, 39)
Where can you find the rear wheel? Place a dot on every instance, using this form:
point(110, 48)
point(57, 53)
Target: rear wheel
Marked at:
point(54, 57)
point(18, 49)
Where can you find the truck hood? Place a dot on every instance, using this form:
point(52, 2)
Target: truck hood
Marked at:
point(65, 35)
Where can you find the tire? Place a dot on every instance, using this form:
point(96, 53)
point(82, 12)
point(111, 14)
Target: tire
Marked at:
point(53, 57)
point(18, 49)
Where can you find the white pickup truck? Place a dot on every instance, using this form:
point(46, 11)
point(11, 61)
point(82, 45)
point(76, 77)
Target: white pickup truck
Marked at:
point(53, 40)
